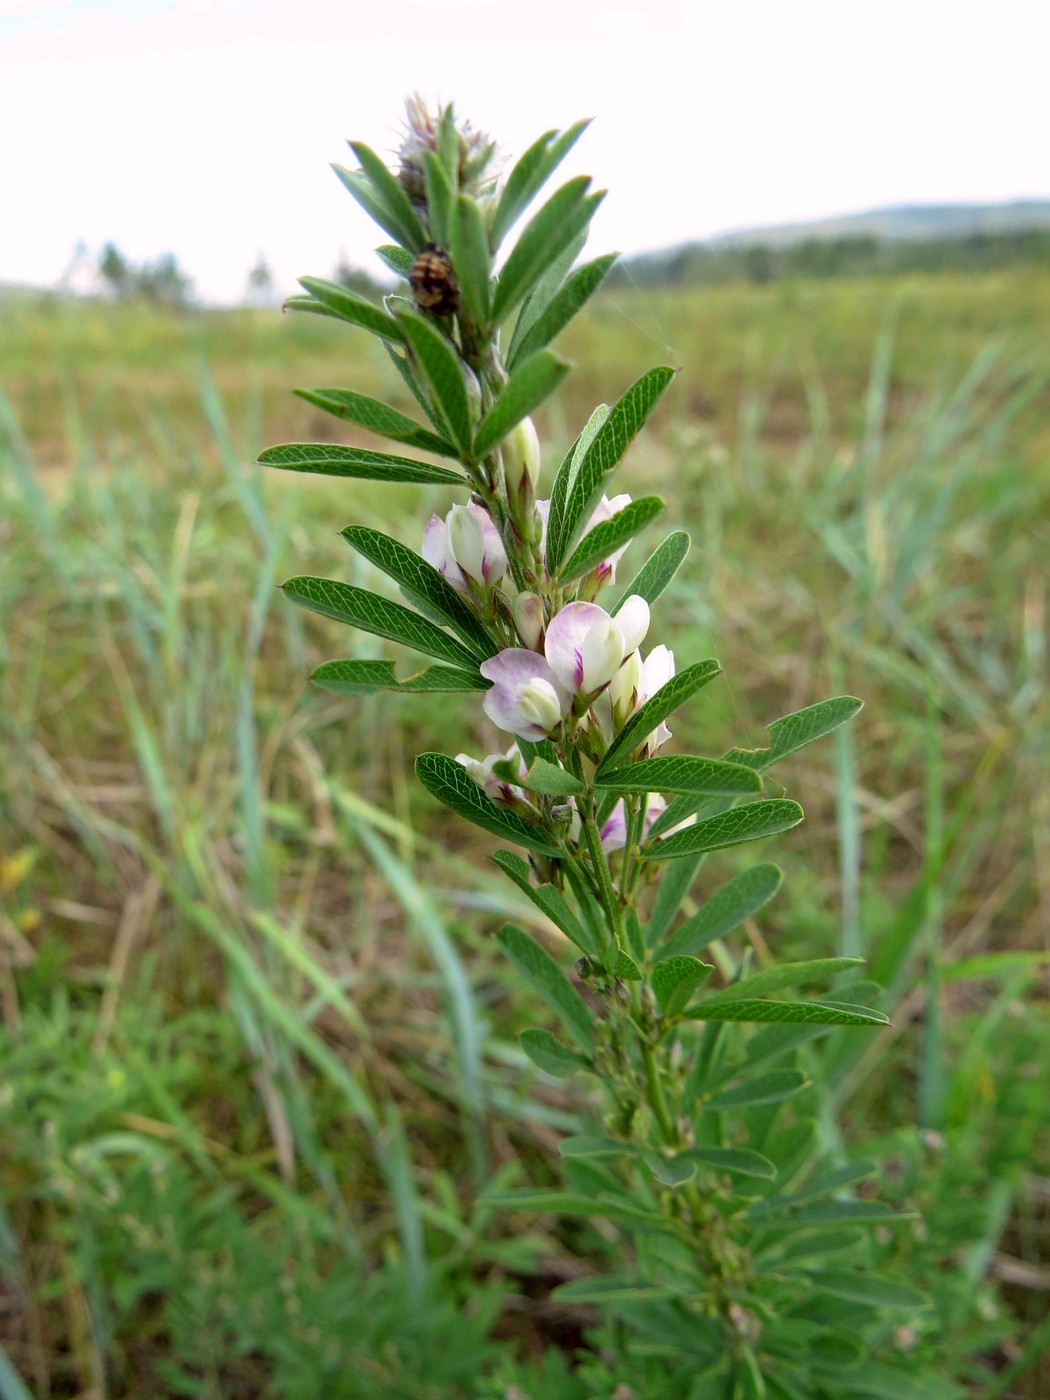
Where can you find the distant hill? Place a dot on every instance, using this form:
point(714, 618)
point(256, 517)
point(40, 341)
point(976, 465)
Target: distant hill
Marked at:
point(906, 238)
point(897, 222)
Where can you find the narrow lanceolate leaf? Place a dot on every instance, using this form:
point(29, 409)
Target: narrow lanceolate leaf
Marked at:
point(450, 783)
point(657, 571)
point(348, 306)
point(380, 616)
point(356, 677)
point(550, 779)
point(548, 1054)
point(562, 307)
point(524, 391)
point(593, 1145)
point(444, 374)
point(795, 731)
point(543, 293)
point(529, 175)
point(540, 241)
point(547, 899)
point(710, 777)
point(809, 1013)
point(422, 584)
point(775, 979)
point(550, 982)
point(773, 1087)
point(440, 198)
point(392, 194)
point(600, 460)
point(676, 979)
point(652, 714)
point(469, 245)
point(744, 1161)
point(398, 260)
point(332, 459)
point(566, 473)
point(377, 417)
point(362, 189)
point(875, 1290)
point(727, 908)
point(748, 823)
point(610, 536)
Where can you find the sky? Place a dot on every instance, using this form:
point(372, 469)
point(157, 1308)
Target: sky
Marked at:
point(207, 127)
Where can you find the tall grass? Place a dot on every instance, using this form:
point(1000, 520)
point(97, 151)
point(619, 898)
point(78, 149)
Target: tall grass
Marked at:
point(257, 1049)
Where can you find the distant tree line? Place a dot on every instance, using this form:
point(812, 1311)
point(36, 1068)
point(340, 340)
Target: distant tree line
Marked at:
point(161, 280)
point(854, 256)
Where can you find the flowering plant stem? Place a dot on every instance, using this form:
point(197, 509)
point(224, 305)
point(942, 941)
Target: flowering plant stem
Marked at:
point(706, 1152)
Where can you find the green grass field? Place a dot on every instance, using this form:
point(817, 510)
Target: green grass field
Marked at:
point(258, 1050)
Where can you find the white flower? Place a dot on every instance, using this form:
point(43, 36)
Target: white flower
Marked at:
point(585, 646)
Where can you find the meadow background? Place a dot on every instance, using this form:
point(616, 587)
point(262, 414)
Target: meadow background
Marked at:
point(258, 1050)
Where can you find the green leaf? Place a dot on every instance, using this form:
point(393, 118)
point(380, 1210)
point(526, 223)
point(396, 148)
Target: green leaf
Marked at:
point(409, 230)
point(398, 260)
point(547, 899)
point(544, 290)
point(348, 306)
point(657, 571)
point(440, 199)
point(443, 372)
point(570, 463)
point(610, 1288)
point(609, 536)
point(675, 980)
point(377, 417)
point(626, 968)
point(423, 585)
point(774, 979)
point(727, 908)
point(542, 239)
point(776, 1214)
point(332, 459)
point(874, 1290)
point(469, 246)
point(550, 982)
point(592, 1145)
point(799, 1012)
point(672, 1171)
point(548, 1054)
point(561, 308)
point(675, 692)
point(551, 780)
point(751, 822)
point(355, 677)
point(773, 1087)
point(601, 458)
point(742, 1160)
point(524, 391)
point(451, 784)
point(795, 731)
point(369, 612)
point(682, 773)
point(529, 175)
point(894, 1383)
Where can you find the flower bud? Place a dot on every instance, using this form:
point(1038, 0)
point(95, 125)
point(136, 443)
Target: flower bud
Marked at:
point(521, 458)
point(527, 611)
point(623, 689)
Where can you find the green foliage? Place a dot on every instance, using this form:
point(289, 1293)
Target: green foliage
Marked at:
point(203, 1174)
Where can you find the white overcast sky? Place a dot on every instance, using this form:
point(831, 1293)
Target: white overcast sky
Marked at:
point(206, 127)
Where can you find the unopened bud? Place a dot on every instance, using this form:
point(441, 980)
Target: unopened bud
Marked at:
point(527, 611)
point(521, 458)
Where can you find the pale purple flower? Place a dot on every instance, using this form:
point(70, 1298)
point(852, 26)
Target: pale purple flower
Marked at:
point(495, 788)
point(585, 646)
point(614, 829)
point(526, 698)
point(465, 547)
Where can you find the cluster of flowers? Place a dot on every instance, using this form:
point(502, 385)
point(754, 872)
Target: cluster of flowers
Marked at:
point(578, 666)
